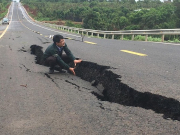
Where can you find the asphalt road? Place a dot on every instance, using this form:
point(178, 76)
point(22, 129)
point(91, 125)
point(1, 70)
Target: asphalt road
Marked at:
point(33, 102)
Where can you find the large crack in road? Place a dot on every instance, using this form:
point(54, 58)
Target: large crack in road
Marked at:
point(113, 90)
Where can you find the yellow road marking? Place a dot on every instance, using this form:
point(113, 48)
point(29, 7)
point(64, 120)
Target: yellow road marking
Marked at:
point(131, 52)
point(69, 38)
point(89, 42)
point(4, 31)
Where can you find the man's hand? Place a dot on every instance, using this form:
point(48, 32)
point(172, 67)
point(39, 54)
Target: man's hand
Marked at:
point(72, 71)
point(77, 61)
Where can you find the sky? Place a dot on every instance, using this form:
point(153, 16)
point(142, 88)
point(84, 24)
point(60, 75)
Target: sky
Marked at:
point(135, 0)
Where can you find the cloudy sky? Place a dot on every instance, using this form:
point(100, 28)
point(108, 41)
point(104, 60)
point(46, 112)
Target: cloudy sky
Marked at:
point(135, 0)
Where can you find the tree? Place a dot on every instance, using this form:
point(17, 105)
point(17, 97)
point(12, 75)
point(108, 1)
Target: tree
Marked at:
point(93, 21)
point(176, 3)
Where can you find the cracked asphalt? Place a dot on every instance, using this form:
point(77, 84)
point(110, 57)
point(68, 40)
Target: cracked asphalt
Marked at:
point(33, 102)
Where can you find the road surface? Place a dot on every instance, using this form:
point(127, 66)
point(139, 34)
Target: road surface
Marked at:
point(141, 93)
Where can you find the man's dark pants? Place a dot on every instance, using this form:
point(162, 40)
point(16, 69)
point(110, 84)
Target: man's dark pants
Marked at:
point(52, 61)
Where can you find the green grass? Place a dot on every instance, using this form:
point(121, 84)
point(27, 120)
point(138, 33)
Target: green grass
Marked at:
point(173, 41)
point(154, 39)
point(139, 38)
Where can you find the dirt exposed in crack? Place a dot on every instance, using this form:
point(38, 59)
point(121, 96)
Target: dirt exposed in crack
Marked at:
point(37, 50)
point(116, 91)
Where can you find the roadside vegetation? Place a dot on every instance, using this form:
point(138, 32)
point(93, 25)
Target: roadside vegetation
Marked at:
point(4, 5)
point(109, 15)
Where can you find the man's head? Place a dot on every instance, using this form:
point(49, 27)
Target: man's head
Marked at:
point(59, 40)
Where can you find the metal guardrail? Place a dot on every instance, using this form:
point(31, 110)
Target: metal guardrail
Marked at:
point(81, 31)
point(90, 32)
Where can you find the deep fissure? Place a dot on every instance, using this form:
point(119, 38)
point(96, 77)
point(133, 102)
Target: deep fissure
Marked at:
point(116, 91)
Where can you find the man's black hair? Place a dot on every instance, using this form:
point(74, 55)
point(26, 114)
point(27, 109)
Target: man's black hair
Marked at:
point(57, 38)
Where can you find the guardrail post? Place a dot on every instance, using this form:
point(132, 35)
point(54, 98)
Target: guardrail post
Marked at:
point(162, 38)
point(122, 37)
point(104, 36)
point(87, 33)
point(113, 36)
point(92, 34)
point(132, 37)
point(97, 34)
point(146, 37)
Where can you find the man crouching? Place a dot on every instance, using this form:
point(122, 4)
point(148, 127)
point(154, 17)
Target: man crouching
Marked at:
point(53, 56)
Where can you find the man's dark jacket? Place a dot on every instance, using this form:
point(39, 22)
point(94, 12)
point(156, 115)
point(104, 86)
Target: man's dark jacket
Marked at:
point(53, 50)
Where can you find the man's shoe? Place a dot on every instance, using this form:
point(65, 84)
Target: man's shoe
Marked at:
point(62, 71)
point(58, 68)
point(51, 71)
